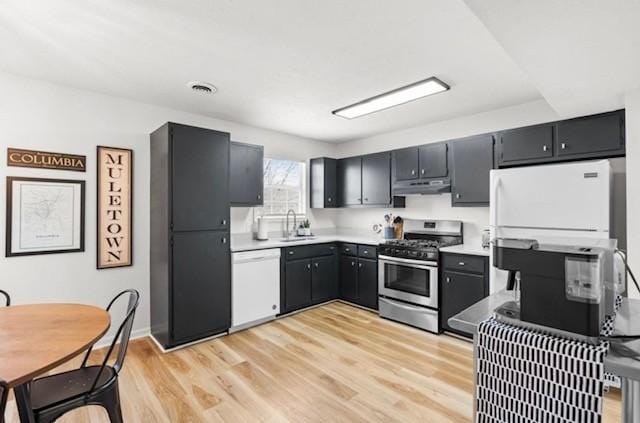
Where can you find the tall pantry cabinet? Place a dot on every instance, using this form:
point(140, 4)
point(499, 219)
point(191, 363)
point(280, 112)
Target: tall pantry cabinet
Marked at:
point(190, 255)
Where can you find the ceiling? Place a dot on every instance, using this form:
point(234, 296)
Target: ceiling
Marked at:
point(286, 64)
point(582, 55)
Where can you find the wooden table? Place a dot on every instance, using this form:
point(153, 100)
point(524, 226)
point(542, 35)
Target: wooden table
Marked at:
point(37, 338)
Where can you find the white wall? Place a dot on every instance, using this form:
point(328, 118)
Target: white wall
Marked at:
point(632, 106)
point(42, 116)
point(439, 206)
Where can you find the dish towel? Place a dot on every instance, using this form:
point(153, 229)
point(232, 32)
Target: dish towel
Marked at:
point(524, 376)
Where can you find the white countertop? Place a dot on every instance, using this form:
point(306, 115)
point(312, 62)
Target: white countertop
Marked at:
point(475, 250)
point(245, 242)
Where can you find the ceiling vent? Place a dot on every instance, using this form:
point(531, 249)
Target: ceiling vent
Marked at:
point(202, 87)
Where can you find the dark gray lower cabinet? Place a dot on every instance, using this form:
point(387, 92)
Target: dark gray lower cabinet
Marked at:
point(297, 284)
point(368, 283)
point(349, 278)
point(472, 163)
point(201, 284)
point(324, 279)
point(309, 275)
point(359, 279)
point(464, 281)
point(313, 274)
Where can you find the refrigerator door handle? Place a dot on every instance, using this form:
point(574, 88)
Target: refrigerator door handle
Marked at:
point(495, 186)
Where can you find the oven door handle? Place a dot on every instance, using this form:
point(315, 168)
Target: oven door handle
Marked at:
point(415, 263)
point(422, 309)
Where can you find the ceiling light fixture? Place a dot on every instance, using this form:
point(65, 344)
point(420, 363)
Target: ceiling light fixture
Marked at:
point(202, 87)
point(393, 98)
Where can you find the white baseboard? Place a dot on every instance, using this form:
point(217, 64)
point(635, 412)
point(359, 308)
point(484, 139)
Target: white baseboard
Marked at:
point(135, 334)
point(188, 344)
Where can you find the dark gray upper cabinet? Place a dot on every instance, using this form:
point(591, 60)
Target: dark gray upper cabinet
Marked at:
point(323, 183)
point(376, 179)
point(405, 164)
point(200, 178)
point(530, 143)
point(593, 134)
point(472, 160)
point(433, 160)
point(246, 174)
point(350, 181)
point(587, 137)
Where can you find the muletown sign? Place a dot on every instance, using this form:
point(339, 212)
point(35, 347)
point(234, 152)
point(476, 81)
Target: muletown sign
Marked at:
point(115, 211)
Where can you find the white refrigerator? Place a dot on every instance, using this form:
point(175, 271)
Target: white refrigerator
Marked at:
point(567, 200)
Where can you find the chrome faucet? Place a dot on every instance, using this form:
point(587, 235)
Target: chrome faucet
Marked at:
point(289, 233)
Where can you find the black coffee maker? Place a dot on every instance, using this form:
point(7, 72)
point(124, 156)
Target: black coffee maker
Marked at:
point(567, 289)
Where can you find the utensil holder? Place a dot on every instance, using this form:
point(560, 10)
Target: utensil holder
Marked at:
point(389, 232)
point(398, 229)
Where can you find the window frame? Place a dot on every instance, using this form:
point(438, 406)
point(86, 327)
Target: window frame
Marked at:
point(303, 192)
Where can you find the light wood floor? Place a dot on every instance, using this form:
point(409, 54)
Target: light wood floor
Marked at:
point(334, 363)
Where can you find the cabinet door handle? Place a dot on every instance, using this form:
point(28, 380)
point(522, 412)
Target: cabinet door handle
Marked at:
point(290, 253)
point(422, 171)
point(461, 263)
point(329, 200)
point(346, 250)
point(317, 265)
point(366, 199)
point(413, 171)
point(224, 240)
point(259, 196)
point(458, 195)
point(359, 264)
point(332, 248)
point(353, 263)
point(448, 279)
point(563, 146)
point(309, 266)
point(545, 148)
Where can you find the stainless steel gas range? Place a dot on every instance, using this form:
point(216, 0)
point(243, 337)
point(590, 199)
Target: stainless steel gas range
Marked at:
point(408, 272)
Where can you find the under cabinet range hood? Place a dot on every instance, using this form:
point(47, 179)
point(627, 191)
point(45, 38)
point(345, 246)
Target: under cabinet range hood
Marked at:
point(430, 187)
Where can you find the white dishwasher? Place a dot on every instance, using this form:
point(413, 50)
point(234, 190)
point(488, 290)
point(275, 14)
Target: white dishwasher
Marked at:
point(255, 287)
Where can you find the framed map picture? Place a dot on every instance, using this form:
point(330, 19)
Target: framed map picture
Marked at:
point(44, 216)
point(115, 207)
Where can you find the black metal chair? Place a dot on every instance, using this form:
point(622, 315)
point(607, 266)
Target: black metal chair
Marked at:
point(7, 298)
point(4, 394)
point(4, 388)
point(54, 395)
